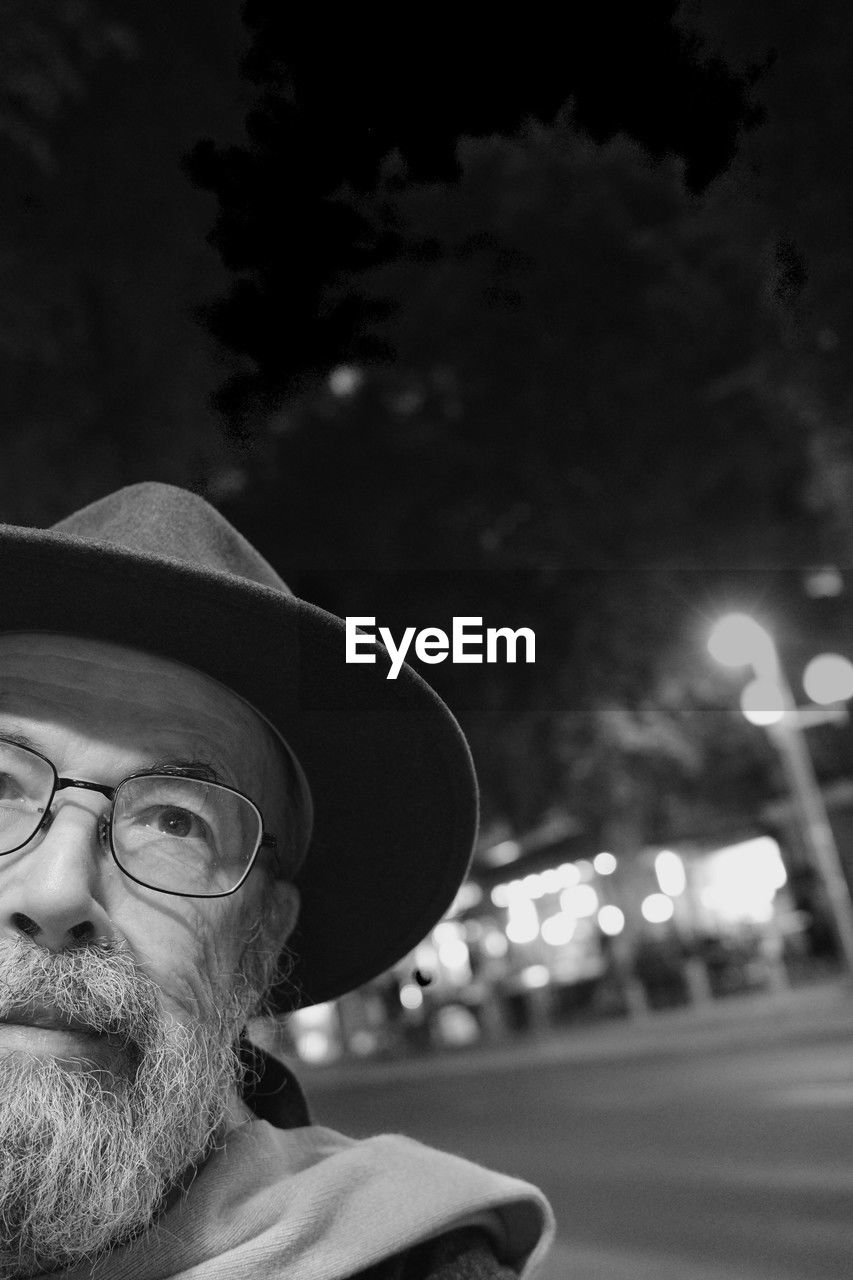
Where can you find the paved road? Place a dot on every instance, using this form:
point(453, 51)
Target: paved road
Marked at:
point(693, 1148)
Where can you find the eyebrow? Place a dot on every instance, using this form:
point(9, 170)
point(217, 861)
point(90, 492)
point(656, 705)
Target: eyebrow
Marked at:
point(184, 769)
point(18, 739)
point(177, 767)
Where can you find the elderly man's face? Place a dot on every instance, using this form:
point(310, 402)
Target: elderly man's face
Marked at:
point(151, 982)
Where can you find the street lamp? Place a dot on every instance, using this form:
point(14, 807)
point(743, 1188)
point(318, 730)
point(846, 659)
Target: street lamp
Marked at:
point(829, 679)
point(739, 641)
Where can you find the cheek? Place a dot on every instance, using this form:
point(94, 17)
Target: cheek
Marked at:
point(189, 952)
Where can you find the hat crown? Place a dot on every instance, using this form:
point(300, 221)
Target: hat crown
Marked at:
point(156, 568)
point(173, 524)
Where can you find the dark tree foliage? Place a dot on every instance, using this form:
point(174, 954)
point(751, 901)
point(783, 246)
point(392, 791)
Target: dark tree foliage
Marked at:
point(334, 99)
point(803, 179)
point(104, 373)
point(48, 50)
point(567, 439)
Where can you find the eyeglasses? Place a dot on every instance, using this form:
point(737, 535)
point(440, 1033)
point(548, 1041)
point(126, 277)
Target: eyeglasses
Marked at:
point(169, 832)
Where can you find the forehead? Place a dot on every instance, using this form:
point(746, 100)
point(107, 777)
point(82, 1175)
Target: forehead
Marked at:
point(91, 697)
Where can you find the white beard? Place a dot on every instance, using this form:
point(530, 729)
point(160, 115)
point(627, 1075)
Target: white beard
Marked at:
point(88, 1155)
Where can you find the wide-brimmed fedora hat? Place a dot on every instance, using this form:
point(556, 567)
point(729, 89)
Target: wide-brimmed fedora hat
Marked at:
point(157, 568)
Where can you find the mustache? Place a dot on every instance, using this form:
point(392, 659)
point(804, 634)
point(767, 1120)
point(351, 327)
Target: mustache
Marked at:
point(100, 987)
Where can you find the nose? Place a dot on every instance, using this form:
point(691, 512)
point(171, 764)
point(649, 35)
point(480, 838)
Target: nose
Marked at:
point(51, 891)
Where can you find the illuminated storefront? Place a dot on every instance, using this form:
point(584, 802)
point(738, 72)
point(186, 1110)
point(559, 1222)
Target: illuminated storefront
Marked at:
point(500, 959)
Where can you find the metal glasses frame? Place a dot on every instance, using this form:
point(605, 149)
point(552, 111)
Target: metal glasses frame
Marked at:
point(266, 839)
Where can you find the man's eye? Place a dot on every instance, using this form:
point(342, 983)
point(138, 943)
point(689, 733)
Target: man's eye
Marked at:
point(173, 821)
point(10, 787)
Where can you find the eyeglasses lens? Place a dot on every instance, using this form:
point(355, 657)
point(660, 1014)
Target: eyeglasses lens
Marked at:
point(169, 832)
point(26, 782)
point(184, 835)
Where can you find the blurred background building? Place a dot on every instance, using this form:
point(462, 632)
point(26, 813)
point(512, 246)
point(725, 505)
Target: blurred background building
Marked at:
point(552, 939)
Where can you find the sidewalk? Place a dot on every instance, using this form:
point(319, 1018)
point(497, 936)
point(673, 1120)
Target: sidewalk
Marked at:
point(819, 1008)
point(814, 1012)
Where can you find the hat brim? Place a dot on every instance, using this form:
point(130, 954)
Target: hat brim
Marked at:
point(389, 769)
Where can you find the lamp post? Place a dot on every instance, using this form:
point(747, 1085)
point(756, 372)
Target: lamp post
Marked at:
point(738, 641)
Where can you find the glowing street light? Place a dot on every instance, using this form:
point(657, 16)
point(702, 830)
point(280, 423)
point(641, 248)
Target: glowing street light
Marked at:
point(739, 641)
point(669, 870)
point(763, 701)
point(828, 678)
point(611, 920)
point(657, 908)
